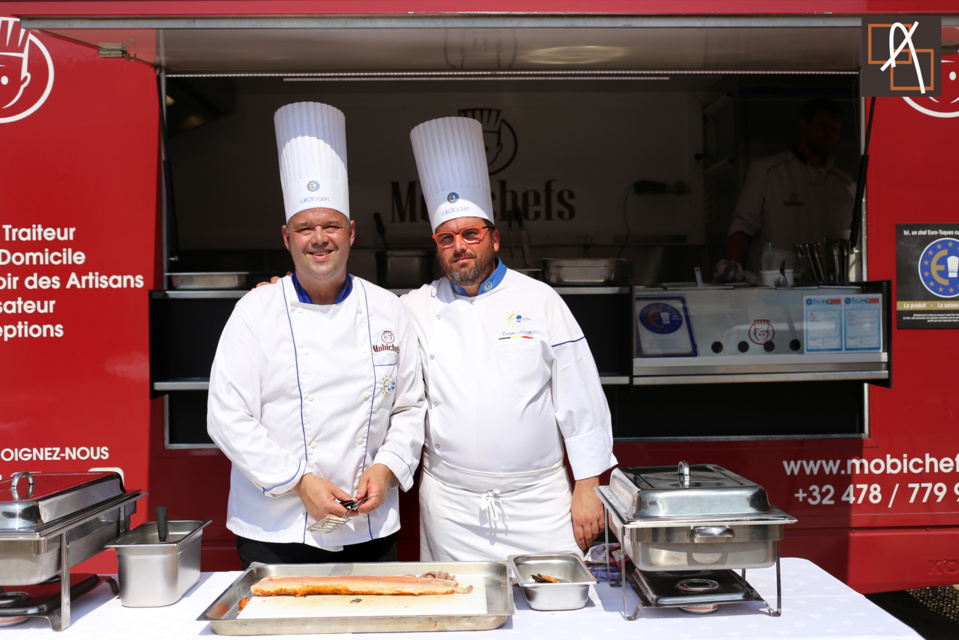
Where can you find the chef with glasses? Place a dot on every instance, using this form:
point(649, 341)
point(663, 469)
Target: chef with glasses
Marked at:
point(512, 387)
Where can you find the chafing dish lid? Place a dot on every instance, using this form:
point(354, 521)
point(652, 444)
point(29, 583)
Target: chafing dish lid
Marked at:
point(686, 490)
point(32, 501)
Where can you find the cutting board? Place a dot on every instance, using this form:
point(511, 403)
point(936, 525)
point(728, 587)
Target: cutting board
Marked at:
point(325, 606)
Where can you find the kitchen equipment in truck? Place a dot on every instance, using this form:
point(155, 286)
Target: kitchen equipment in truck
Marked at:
point(50, 522)
point(685, 530)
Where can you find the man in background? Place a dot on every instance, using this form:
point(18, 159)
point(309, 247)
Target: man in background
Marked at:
point(794, 197)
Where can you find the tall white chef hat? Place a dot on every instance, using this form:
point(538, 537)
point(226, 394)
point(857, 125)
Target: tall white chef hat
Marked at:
point(311, 143)
point(451, 161)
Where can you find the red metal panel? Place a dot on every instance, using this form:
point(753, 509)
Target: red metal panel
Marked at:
point(83, 164)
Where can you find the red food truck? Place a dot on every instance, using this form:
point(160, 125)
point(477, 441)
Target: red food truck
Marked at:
point(139, 199)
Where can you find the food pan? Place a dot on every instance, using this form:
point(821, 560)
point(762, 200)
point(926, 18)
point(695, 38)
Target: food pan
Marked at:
point(220, 280)
point(571, 589)
point(154, 573)
point(586, 271)
point(699, 517)
point(41, 511)
point(487, 607)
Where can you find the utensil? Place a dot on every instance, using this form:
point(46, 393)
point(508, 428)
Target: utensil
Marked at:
point(332, 523)
point(163, 526)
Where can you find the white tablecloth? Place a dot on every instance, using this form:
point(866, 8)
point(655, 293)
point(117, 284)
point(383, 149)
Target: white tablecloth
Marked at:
point(815, 606)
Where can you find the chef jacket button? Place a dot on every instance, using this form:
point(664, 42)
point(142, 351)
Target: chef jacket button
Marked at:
point(437, 316)
point(360, 441)
point(309, 398)
point(366, 394)
point(356, 485)
point(472, 301)
point(437, 447)
point(432, 357)
point(359, 311)
point(299, 310)
point(436, 404)
point(306, 352)
point(313, 445)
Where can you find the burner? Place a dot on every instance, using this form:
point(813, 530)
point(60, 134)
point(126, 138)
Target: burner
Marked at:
point(698, 585)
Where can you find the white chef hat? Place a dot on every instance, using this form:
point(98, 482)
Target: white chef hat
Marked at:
point(451, 161)
point(311, 143)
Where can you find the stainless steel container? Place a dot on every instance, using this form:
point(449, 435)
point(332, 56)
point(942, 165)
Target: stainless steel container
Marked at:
point(41, 512)
point(154, 573)
point(586, 271)
point(699, 517)
point(487, 606)
point(571, 591)
point(219, 280)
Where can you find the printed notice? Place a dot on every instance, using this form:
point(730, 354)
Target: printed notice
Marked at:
point(927, 272)
point(824, 323)
point(662, 328)
point(862, 322)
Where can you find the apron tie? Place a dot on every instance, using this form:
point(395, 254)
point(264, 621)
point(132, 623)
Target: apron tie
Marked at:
point(490, 501)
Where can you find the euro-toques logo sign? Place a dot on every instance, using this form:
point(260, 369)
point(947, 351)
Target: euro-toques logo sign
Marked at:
point(26, 72)
point(901, 56)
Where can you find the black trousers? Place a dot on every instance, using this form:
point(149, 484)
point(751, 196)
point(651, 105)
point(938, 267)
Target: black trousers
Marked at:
point(379, 550)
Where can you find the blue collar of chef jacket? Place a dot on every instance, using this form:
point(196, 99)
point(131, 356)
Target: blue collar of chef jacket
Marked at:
point(491, 283)
point(304, 297)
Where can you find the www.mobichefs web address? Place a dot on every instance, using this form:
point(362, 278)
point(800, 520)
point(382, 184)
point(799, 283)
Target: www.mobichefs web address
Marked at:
point(888, 465)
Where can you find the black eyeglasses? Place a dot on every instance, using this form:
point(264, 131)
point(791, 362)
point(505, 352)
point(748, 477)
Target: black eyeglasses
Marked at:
point(470, 235)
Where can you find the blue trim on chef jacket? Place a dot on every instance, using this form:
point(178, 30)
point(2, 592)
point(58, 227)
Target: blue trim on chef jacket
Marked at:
point(491, 283)
point(304, 297)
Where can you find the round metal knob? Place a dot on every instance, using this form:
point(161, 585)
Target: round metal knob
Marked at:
point(684, 473)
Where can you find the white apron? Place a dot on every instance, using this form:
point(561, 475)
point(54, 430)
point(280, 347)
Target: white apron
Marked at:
point(473, 515)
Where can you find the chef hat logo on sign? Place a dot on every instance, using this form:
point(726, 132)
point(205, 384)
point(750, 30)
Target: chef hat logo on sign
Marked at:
point(499, 138)
point(26, 72)
point(451, 163)
point(311, 144)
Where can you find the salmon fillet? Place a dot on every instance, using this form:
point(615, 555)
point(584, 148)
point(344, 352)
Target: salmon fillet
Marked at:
point(408, 585)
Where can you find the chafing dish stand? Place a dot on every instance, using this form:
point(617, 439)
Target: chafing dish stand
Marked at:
point(700, 589)
point(81, 510)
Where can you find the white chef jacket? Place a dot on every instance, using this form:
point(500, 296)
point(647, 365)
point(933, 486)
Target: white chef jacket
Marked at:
point(786, 201)
point(510, 385)
point(325, 389)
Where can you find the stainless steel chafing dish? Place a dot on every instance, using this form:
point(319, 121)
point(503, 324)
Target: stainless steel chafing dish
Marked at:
point(692, 520)
point(50, 522)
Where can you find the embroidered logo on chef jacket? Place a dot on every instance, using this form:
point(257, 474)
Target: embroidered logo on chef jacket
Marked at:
point(387, 385)
point(516, 319)
point(313, 185)
point(514, 331)
point(387, 338)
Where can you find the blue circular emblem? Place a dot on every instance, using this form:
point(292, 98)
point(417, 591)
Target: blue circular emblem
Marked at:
point(312, 185)
point(452, 197)
point(939, 268)
point(660, 317)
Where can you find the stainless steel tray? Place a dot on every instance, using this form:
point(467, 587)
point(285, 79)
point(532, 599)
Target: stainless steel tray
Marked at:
point(490, 604)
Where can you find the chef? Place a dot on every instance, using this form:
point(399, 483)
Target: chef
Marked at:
point(316, 394)
point(511, 384)
point(793, 197)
